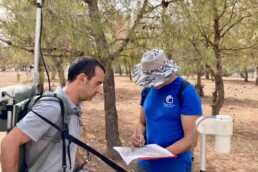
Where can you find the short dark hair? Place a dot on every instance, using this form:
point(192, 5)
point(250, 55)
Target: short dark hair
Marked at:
point(84, 64)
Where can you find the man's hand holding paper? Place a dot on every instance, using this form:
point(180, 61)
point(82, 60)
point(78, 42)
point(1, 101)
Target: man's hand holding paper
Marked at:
point(151, 151)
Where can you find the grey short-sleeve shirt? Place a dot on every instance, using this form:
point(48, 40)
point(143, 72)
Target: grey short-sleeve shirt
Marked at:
point(42, 133)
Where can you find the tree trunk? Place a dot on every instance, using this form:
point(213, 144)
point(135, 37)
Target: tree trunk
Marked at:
point(256, 82)
point(246, 75)
point(218, 94)
point(120, 70)
point(60, 72)
point(199, 86)
point(126, 70)
point(207, 75)
point(112, 133)
point(130, 73)
point(59, 68)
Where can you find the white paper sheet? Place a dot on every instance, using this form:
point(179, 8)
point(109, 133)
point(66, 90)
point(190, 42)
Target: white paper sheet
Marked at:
point(147, 151)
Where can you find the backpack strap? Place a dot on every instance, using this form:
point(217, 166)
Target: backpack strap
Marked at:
point(180, 95)
point(65, 129)
point(145, 92)
point(49, 96)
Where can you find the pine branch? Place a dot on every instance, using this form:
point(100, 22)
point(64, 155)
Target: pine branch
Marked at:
point(131, 31)
point(233, 25)
point(238, 49)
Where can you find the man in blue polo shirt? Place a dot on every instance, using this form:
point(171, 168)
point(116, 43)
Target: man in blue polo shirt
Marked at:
point(164, 119)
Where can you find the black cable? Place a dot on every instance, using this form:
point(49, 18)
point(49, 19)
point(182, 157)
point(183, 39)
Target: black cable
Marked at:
point(40, 49)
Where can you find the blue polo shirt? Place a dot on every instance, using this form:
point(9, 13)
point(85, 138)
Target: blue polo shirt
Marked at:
point(163, 123)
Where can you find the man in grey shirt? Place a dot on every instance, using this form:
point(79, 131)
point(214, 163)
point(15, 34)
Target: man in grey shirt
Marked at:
point(85, 76)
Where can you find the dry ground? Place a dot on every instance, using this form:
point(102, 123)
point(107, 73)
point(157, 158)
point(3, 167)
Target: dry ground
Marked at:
point(241, 102)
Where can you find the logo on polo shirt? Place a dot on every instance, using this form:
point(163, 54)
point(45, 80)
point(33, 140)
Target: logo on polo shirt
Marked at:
point(169, 99)
point(169, 102)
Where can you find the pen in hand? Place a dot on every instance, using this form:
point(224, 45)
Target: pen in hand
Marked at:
point(138, 139)
point(140, 144)
point(141, 141)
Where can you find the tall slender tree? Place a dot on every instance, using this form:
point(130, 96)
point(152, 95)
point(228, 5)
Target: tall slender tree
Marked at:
point(215, 20)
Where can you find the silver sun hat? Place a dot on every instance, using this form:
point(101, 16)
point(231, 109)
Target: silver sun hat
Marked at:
point(155, 69)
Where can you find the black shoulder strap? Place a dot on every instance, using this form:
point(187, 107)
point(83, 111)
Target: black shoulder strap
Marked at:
point(64, 127)
point(180, 95)
point(145, 92)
